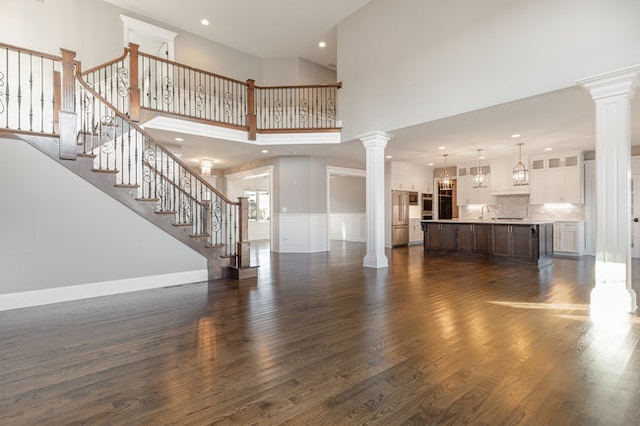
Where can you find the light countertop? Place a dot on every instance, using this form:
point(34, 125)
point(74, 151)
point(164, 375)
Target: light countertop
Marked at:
point(494, 221)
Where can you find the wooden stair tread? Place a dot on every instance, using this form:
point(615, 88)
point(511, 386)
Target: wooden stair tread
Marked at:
point(105, 171)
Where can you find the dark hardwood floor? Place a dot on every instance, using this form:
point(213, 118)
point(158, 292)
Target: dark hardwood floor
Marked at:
point(320, 340)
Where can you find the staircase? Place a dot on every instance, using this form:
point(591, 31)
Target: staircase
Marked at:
point(89, 122)
point(45, 101)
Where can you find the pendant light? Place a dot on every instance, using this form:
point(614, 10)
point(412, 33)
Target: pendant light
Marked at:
point(520, 172)
point(479, 180)
point(444, 183)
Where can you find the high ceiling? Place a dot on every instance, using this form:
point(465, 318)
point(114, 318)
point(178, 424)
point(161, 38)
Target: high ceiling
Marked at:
point(563, 120)
point(267, 29)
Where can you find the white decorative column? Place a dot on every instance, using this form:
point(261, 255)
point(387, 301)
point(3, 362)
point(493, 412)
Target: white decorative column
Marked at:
point(612, 93)
point(374, 144)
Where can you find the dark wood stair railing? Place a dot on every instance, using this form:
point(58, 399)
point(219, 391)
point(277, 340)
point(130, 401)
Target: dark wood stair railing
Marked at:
point(159, 177)
point(44, 101)
point(151, 85)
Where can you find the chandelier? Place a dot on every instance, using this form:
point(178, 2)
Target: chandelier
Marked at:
point(520, 172)
point(480, 179)
point(444, 183)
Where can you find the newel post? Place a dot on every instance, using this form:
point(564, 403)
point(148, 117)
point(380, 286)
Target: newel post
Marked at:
point(252, 122)
point(243, 233)
point(67, 115)
point(134, 88)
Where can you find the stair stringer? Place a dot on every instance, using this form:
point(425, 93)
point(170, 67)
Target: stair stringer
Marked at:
point(217, 265)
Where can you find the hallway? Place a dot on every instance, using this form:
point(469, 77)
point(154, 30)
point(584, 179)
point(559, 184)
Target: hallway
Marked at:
point(320, 340)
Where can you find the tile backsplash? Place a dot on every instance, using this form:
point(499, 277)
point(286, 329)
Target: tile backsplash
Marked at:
point(517, 206)
point(512, 206)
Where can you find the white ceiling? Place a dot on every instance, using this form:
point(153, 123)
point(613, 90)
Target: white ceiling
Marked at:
point(264, 28)
point(563, 120)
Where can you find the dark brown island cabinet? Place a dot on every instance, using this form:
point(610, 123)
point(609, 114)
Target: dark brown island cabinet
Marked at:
point(506, 241)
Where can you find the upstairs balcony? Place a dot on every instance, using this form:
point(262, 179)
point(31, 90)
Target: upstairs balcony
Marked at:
point(146, 87)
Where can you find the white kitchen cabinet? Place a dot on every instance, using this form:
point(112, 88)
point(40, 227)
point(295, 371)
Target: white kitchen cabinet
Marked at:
point(502, 177)
point(398, 175)
point(564, 178)
point(557, 178)
point(467, 194)
point(408, 177)
point(538, 180)
point(568, 238)
point(415, 231)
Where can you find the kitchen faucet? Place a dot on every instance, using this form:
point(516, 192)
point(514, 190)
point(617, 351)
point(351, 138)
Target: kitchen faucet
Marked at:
point(482, 211)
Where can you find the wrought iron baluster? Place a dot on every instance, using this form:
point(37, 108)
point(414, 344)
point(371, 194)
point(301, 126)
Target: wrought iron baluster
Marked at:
point(19, 91)
point(30, 92)
point(53, 99)
point(41, 94)
point(5, 75)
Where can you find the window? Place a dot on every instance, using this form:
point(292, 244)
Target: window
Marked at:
point(259, 202)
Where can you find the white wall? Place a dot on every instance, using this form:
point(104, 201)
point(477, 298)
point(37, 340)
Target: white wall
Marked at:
point(405, 62)
point(347, 194)
point(93, 29)
point(295, 71)
point(347, 205)
point(58, 230)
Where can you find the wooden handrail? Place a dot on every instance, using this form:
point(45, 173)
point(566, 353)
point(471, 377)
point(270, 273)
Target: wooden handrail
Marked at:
point(106, 64)
point(166, 61)
point(33, 52)
point(337, 85)
point(146, 135)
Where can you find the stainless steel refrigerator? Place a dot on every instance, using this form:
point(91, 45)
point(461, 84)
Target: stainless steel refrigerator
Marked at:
point(399, 218)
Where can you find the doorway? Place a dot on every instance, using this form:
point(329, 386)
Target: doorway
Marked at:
point(346, 205)
point(152, 39)
point(257, 186)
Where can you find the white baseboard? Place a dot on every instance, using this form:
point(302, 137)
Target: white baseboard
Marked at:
point(106, 288)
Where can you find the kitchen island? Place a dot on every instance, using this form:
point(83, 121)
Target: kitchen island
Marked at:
point(517, 241)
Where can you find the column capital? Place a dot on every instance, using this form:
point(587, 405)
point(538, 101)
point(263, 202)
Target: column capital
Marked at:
point(615, 83)
point(375, 139)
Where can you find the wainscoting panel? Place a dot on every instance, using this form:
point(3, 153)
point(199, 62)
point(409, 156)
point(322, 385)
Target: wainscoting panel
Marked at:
point(348, 226)
point(300, 233)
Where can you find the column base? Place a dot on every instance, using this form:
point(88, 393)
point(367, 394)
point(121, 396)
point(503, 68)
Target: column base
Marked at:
point(613, 298)
point(373, 261)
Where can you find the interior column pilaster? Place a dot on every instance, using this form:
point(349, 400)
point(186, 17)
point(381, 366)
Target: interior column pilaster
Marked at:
point(612, 93)
point(374, 144)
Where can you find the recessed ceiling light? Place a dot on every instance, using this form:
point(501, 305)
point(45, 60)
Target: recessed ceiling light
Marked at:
point(179, 139)
point(516, 135)
point(442, 147)
point(322, 44)
point(265, 151)
point(548, 149)
point(204, 21)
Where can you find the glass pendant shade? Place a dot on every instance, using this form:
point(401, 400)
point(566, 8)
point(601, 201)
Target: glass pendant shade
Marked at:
point(445, 180)
point(520, 172)
point(479, 180)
